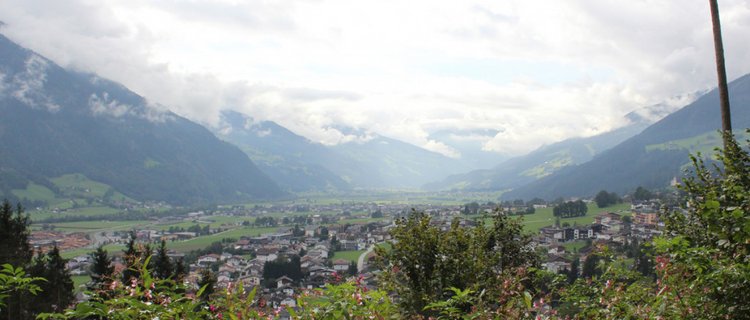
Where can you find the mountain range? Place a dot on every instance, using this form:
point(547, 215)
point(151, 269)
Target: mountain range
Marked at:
point(56, 122)
point(654, 157)
point(546, 160)
point(372, 161)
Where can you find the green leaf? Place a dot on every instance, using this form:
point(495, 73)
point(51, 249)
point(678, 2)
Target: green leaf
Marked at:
point(200, 292)
point(527, 299)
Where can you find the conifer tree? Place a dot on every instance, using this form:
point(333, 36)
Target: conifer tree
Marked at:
point(101, 267)
point(14, 236)
point(207, 280)
point(131, 257)
point(163, 267)
point(57, 291)
point(180, 270)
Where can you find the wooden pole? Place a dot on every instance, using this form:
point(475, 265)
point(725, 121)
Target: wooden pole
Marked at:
point(726, 120)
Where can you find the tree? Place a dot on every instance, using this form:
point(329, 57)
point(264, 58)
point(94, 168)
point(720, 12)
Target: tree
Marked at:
point(642, 194)
point(14, 236)
point(425, 264)
point(352, 271)
point(101, 267)
point(132, 258)
point(471, 208)
point(708, 240)
point(57, 292)
point(591, 266)
point(574, 270)
point(180, 270)
point(207, 283)
point(163, 268)
point(570, 209)
point(604, 199)
point(14, 283)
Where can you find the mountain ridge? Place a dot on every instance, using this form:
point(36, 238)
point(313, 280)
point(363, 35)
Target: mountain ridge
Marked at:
point(57, 122)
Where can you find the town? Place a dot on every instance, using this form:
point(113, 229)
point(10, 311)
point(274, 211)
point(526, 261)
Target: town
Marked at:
point(306, 246)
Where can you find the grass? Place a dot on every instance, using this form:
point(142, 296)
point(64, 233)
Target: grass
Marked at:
point(543, 217)
point(205, 241)
point(84, 211)
point(704, 143)
point(36, 192)
point(97, 226)
point(80, 280)
point(574, 246)
point(348, 255)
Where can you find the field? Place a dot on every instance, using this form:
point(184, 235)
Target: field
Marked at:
point(205, 241)
point(96, 226)
point(79, 281)
point(543, 217)
point(348, 255)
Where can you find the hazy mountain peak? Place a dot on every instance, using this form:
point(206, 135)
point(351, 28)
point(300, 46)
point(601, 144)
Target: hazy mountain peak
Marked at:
point(653, 113)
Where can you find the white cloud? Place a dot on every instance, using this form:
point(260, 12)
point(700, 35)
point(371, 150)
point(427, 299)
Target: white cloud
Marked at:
point(535, 71)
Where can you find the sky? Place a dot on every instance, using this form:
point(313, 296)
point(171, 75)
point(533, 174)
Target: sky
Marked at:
point(512, 75)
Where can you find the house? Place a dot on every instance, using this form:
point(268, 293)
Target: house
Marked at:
point(250, 281)
point(284, 281)
point(288, 302)
point(556, 264)
point(208, 259)
point(266, 255)
point(341, 265)
point(650, 219)
point(556, 250)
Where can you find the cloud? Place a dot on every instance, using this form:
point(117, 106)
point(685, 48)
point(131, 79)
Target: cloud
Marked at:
point(27, 86)
point(534, 71)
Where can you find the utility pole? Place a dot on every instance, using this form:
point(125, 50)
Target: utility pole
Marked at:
point(726, 119)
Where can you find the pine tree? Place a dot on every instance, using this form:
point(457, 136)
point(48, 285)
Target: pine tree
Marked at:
point(573, 272)
point(57, 292)
point(180, 270)
point(132, 257)
point(207, 282)
point(591, 266)
point(14, 236)
point(163, 267)
point(101, 267)
point(15, 250)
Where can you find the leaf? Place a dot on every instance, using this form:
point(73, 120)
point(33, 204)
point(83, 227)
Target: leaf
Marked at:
point(527, 299)
point(251, 296)
point(200, 292)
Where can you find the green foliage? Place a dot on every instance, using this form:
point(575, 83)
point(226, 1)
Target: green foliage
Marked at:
point(101, 268)
point(207, 284)
point(642, 194)
point(163, 267)
point(14, 281)
point(283, 267)
point(605, 199)
point(708, 241)
point(349, 300)
point(14, 235)
point(424, 262)
point(57, 291)
point(570, 209)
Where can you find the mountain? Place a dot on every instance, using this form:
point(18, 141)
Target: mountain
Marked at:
point(546, 160)
point(382, 162)
point(368, 161)
point(291, 160)
point(56, 122)
point(652, 158)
